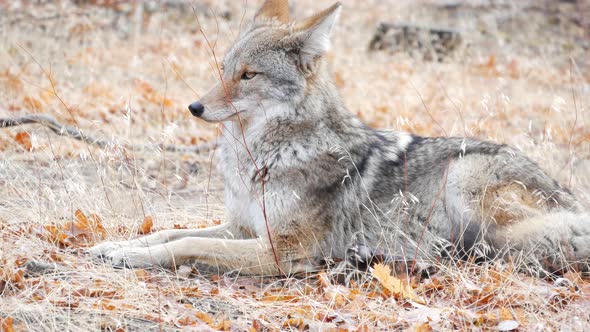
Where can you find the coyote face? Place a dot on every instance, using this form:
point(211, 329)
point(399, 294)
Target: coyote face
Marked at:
point(266, 72)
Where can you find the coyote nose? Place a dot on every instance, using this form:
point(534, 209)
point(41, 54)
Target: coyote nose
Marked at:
point(196, 108)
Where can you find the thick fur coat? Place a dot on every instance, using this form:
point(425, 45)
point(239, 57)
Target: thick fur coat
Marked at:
point(306, 181)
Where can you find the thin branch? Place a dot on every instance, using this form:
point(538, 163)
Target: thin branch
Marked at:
point(63, 130)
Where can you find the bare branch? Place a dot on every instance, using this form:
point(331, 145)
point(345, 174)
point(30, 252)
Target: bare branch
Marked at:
point(63, 130)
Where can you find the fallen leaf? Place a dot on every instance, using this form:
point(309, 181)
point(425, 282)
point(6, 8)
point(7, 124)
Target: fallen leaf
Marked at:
point(80, 232)
point(424, 327)
point(224, 325)
point(505, 314)
point(6, 324)
point(278, 298)
point(146, 226)
point(24, 139)
point(204, 317)
point(142, 274)
point(294, 323)
point(400, 289)
point(55, 235)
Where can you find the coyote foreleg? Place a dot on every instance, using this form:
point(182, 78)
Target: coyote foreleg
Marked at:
point(250, 256)
point(220, 231)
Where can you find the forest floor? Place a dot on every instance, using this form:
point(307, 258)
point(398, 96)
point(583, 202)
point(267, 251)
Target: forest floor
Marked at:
point(126, 73)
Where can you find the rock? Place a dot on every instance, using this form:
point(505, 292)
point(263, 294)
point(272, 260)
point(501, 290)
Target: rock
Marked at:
point(432, 43)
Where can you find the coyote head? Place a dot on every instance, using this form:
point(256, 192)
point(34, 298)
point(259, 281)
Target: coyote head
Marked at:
point(270, 67)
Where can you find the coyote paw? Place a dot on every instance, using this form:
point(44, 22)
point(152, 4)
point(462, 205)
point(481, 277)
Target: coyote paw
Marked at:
point(138, 257)
point(104, 248)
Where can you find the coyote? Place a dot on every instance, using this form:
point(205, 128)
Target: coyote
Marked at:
point(306, 182)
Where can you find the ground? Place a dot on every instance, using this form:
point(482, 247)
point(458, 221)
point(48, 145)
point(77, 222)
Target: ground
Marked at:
point(125, 72)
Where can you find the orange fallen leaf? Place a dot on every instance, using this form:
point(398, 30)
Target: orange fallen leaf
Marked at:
point(224, 325)
point(142, 274)
point(186, 321)
point(146, 226)
point(81, 232)
point(6, 324)
point(56, 235)
point(280, 298)
point(18, 279)
point(104, 304)
point(400, 289)
point(424, 327)
point(294, 323)
point(204, 317)
point(505, 314)
point(24, 139)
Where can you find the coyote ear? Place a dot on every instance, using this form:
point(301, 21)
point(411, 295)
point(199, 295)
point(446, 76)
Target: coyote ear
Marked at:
point(278, 9)
point(315, 32)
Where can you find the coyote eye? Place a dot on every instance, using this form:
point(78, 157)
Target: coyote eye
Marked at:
point(249, 75)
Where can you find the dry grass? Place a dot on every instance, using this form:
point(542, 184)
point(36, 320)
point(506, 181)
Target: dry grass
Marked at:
point(130, 81)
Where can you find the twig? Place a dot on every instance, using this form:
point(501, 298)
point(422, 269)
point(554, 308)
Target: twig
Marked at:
point(63, 130)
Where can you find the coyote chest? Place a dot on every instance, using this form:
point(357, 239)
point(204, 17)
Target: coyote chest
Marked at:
point(243, 197)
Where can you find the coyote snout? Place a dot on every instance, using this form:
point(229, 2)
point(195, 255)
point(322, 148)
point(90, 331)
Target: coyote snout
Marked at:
point(225, 101)
point(196, 109)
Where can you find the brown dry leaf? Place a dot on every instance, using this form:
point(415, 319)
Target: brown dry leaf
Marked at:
point(186, 321)
point(146, 226)
point(485, 296)
point(204, 317)
point(224, 325)
point(93, 225)
point(424, 327)
point(55, 235)
point(95, 292)
point(18, 278)
point(505, 314)
point(104, 304)
point(142, 274)
point(24, 139)
point(294, 323)
point(82, 220)
point(2, 280)
point(400, 289)
point(65, 302)
point(279, 298)
point(97, 227)
point(7, 324)
point(81, 232)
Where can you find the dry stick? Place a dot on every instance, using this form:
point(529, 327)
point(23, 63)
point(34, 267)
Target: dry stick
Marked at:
point(63, 130)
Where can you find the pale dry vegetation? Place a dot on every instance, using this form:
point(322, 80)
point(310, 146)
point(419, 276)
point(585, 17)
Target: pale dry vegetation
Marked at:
point(126, 73)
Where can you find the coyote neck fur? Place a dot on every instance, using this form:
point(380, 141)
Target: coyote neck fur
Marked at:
point(320, 112)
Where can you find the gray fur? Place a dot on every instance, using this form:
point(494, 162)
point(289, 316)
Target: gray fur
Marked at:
point(298, 166)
